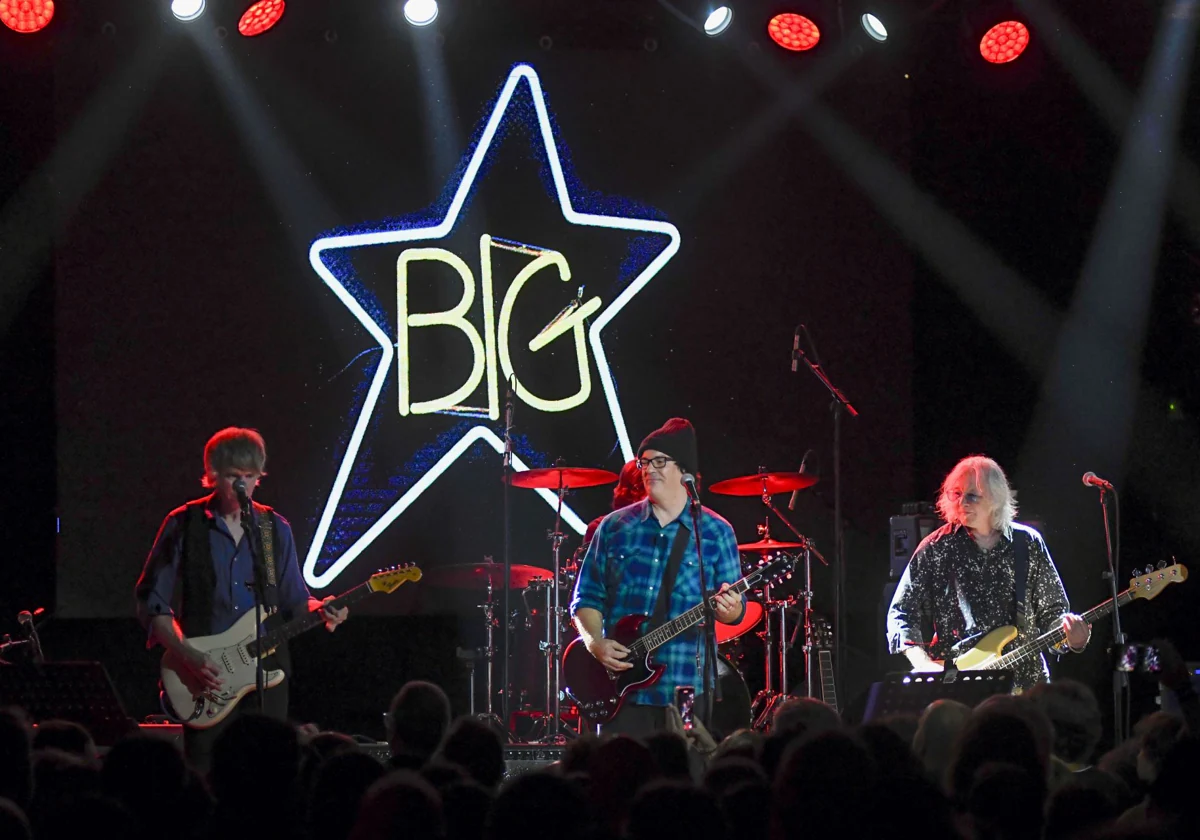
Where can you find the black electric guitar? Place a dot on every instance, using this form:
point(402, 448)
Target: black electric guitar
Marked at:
point(599, 692)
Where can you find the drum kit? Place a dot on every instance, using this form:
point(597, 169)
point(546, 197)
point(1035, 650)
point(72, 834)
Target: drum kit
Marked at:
point(542, 594)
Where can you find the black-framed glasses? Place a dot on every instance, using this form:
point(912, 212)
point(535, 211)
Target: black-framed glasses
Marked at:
point(969, 498)
point(658, 463)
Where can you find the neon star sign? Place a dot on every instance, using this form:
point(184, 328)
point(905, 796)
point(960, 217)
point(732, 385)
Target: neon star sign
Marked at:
point(491, 351)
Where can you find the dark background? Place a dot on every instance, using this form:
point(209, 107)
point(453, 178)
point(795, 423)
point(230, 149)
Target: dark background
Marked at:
point(163, 183)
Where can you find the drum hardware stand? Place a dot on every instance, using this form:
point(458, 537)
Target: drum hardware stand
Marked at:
point(489, 656)
point(552, 730)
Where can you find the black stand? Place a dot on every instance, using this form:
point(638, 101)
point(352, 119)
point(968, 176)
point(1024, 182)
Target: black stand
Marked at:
point(710, 680)
point(259, 587)
point(506, 706)
point(839, 566)
point(1120, 678)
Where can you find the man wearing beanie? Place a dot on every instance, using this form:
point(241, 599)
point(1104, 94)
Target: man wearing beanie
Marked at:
point(623, 570)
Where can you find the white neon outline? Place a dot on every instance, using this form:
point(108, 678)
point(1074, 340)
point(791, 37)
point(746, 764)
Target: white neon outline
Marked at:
point(442, 229)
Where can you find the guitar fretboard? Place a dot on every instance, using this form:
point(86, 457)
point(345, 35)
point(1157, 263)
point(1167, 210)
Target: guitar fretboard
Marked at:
point(310, 619)
point(664, 633)
point(1055, 637)
point(828, 685)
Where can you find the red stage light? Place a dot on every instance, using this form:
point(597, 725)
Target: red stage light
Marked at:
point(793, 32)
point(260, 17)
point(1004, 42)
point(26, 15)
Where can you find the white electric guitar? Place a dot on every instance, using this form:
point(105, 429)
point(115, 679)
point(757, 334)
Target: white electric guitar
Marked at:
point(236, 653)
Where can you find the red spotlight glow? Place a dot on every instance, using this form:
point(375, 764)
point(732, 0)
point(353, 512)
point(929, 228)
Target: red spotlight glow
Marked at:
point(1004, 42)
point(260, 17)
point(793, 32)
point(26, 15)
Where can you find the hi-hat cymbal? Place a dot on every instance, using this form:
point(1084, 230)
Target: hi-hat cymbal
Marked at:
point(768, 545)
point(769, 483)
point(476, 575)
point(552, 478)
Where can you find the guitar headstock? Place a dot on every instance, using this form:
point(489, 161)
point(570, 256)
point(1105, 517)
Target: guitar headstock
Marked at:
point(822, 632)
point(393, 577)
point(776, 570)
point(1148, 584)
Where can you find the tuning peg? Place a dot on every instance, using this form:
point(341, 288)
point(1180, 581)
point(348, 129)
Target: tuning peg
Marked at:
point(1162, 564)
point(1149, 570)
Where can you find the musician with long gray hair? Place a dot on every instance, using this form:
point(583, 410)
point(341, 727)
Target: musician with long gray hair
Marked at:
point(962, 580)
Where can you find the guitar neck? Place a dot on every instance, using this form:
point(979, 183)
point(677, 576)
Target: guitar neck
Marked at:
point(1054, 637)
point(661, 635)
point(828, 685)
point(309, 619)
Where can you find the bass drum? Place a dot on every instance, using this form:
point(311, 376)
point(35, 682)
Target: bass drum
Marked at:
point(733, 712)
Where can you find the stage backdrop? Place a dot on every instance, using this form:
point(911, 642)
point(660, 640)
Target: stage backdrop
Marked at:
point(353, 236)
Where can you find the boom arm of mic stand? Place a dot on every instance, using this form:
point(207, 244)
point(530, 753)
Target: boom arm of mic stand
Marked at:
point(808, 545)
point(819, 372)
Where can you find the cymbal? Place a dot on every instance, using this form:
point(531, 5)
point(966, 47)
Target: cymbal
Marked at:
point(551, 478)
point(769, 483)
point(476, 575)
point(768, 545)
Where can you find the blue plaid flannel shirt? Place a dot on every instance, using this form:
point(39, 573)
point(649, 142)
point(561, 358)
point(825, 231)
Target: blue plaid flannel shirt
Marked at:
point(622, 573)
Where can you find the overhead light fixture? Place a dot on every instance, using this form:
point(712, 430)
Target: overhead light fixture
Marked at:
point(26, 16)
point(420, 12)
point(874, 27)
point(187, 9)
point(718, 21)
point(260, 17)
point(793, 32)
point(1004, 42)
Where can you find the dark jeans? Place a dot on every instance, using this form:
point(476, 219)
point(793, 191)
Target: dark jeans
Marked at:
point(637, 720)
point(198, 743)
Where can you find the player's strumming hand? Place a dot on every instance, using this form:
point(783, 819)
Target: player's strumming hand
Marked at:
point(727, 605)
point(609, 653)
point(202, 674)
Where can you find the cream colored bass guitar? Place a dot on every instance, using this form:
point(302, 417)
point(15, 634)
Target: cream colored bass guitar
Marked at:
point(988, 654)
point(236, 653)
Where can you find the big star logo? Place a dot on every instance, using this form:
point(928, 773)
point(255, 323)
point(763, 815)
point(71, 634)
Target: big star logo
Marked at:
point(490, 345)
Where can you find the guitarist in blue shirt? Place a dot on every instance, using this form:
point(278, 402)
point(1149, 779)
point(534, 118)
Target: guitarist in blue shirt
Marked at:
point(195, 580)
point(623, 570)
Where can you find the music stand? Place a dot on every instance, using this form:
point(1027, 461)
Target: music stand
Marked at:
point(77, 691)
point(906, 693)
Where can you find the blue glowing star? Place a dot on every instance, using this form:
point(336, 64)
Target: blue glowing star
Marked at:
point(323, 256)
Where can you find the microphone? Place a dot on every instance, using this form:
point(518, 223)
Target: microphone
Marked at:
point(1090, 479)
point(689, 483)
point(796, 493)
point(796, 348)
point(243, 497)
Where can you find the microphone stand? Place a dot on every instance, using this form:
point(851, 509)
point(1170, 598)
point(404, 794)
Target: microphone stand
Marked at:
point(1120, 678)
point(505, 706)
point(839, 566)
point(709, 678)
point(259, 587)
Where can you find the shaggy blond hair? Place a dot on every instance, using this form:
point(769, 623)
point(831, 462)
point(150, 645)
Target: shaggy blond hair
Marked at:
point(241, 449)
point(990, 479)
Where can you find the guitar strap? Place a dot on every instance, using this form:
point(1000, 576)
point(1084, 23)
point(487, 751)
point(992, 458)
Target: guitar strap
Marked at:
point(266, 527)
point(682, 533)
point(1021, 571)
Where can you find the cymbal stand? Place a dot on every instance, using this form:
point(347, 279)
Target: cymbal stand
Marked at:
point(489, 657)
point(807, 595)
point(552, 731)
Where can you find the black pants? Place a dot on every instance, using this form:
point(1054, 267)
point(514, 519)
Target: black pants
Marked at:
point(637, 720)
point(198, 743)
